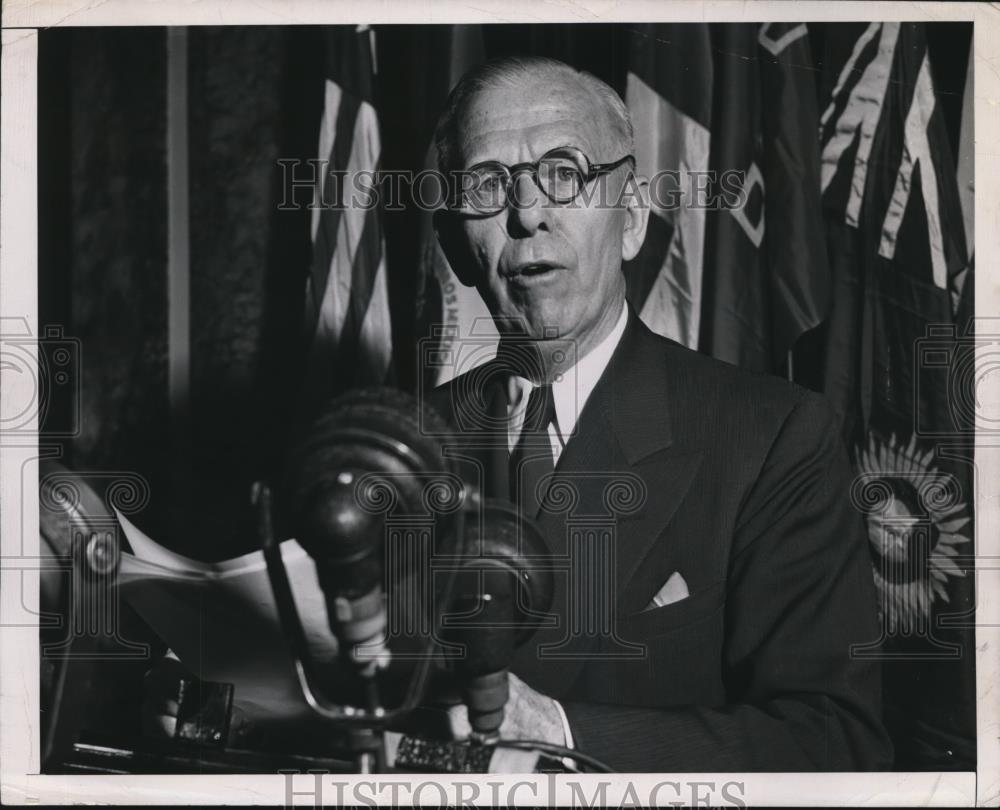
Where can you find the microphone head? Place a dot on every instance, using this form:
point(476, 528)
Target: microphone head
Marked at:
point(503, 539)
point(503, 588)
point(331, 520)
point(338, 522)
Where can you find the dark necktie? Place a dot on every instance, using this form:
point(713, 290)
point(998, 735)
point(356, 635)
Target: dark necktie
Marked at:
point(531, 458)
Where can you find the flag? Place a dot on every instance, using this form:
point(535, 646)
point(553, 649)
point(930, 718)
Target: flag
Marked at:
point(460, 317)
point(347, 305)
point(798, 276)
point(725, 119)
point(766, 279)
point(669, 96)
point(894, 364)
point(735, 304)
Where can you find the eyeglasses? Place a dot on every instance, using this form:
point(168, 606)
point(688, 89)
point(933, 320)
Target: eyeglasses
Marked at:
point(560, 173)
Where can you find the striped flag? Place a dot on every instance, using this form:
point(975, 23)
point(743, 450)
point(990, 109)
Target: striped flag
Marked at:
point(347, 304)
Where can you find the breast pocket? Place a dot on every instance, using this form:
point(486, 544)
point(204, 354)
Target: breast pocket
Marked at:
point(679, 660)
point(691, 612)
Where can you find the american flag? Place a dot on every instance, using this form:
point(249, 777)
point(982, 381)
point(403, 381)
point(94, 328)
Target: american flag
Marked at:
point(347, 304)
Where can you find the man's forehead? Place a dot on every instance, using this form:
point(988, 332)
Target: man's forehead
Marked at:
point(535, 114)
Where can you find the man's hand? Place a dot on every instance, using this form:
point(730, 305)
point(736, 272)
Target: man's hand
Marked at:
point(528, 715)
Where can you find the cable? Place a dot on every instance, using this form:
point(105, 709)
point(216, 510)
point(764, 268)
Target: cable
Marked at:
point(556, 750)
point(561, 762)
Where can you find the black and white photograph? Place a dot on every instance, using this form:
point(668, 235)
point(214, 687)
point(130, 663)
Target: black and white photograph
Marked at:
point(499, 406)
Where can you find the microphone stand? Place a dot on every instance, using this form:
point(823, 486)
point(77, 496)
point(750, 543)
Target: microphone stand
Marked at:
point(486, 630)
point(365, 725)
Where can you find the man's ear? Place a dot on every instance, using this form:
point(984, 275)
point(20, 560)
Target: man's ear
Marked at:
point(635, 199)
point(454, 245)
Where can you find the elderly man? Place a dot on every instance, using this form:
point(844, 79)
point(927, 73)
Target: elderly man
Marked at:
point(738, 581)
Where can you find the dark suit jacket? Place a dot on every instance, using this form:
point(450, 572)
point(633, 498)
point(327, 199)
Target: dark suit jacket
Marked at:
point(746, 494)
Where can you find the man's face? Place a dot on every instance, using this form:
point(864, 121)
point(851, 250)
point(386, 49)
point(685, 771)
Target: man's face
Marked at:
point(556, 269)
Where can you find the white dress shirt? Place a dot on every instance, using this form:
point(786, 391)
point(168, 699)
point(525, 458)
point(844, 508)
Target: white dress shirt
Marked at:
point(570, 391)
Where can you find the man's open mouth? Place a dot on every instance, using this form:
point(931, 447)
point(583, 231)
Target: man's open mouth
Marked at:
point(531, 270)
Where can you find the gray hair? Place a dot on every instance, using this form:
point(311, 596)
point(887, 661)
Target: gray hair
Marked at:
point(509, 71)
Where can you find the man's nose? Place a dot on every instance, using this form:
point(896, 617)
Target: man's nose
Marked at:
point(526, 208)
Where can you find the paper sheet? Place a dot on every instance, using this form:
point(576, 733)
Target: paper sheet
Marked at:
point(221, 621)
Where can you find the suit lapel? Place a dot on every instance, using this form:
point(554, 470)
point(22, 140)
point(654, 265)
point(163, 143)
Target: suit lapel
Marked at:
point(626, 430)
point(623, 440)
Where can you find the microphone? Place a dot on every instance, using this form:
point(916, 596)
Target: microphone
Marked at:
point(499, 596)
point(372, 430)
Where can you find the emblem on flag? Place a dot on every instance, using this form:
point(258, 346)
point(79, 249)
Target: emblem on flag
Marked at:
point(917, 520)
